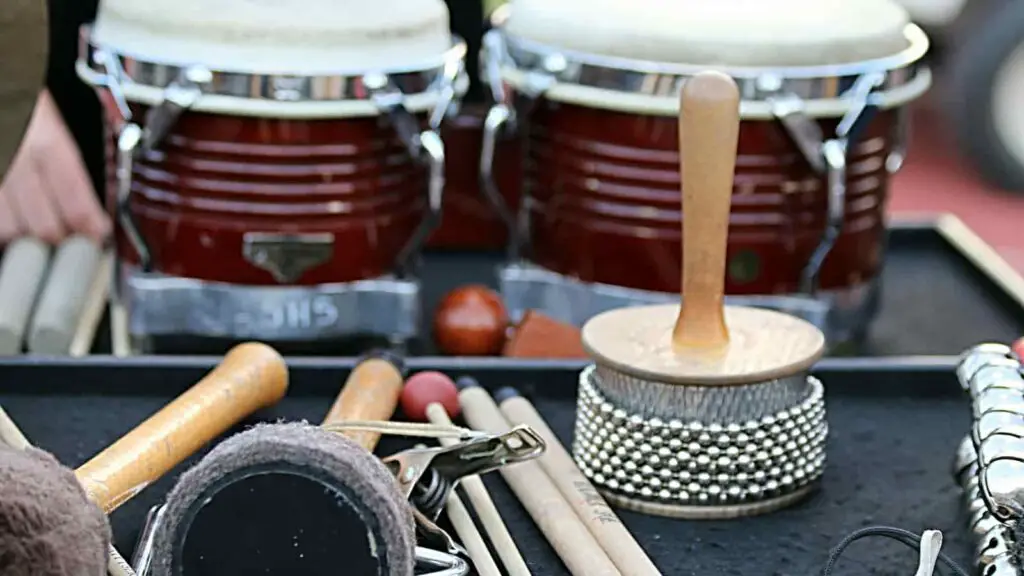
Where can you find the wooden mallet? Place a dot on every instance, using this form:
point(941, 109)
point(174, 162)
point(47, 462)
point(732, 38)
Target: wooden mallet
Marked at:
point(701, 410)
point(252, 376)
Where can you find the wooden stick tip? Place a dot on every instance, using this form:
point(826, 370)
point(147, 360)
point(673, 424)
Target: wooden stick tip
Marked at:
point(712, 86)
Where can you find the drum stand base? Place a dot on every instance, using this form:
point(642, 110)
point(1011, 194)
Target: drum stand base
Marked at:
point(158, 305)
point(843, 315)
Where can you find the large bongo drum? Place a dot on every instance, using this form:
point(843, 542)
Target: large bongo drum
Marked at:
point(276, 166)
point(592, 86)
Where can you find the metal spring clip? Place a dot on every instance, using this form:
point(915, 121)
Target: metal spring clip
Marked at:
point(427, 476)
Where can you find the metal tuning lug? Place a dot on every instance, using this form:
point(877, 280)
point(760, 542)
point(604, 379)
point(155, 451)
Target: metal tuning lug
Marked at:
point(128, 143)
point(112, 78)
point(424, 146)
point(177, 97)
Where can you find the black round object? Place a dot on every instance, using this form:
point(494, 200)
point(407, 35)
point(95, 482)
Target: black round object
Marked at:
point(286, 499)
point(316, 527)
point(979, 57)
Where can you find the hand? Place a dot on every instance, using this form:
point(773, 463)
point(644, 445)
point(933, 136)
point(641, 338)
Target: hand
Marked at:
point(47, 192)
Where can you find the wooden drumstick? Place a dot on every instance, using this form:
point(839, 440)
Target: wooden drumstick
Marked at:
point(575, 545)
point(11, 435)
point(95, 306)
point(22, 273)
point(63, 297)
point(591, 508)
point(371, 392)
point(488, 513)
point(471, 538)
point(251, 376)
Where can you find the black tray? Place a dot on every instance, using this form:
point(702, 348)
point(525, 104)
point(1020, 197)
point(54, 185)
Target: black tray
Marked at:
point(943, 289)
point(895, 424)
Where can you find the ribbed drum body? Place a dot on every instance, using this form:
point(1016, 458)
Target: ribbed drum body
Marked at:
point(602, 197)
point(215, 178)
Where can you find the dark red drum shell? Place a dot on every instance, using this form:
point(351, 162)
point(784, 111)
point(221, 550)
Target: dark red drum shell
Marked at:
point(215, 178)
point(605, 202)
point(470, 221)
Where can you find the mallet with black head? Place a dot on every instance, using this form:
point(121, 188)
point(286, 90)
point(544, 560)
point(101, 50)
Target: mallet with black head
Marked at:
point(295, 498)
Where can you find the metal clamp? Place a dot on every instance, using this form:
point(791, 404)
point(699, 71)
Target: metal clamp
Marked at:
point(427, 476)
point(423, 145)
point(827, 156)
point(502, 121)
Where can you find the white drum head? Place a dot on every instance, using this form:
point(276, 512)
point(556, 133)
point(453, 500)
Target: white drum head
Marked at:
point(720, 33)
point(309, 37)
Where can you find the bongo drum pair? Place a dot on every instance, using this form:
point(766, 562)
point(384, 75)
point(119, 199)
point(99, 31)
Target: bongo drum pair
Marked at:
point(592, 87)
point(276, 167)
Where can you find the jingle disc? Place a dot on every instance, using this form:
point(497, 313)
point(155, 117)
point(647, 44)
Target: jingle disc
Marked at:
point(286, 499)
point(24, 37)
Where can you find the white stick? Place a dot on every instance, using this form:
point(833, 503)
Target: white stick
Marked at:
point(63, 297)
point(22, 274)
point(119, 341)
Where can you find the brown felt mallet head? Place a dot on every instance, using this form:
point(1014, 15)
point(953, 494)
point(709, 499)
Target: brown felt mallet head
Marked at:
point(48, 527)
point(286, 499)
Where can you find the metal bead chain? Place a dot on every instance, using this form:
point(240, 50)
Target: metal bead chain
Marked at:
point(697, 463)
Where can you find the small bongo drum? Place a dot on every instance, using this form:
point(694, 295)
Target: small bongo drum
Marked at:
point(592, 86)
point(277, 166)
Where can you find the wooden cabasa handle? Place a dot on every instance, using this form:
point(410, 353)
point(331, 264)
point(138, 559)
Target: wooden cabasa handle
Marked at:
point(709, 122)
point(252, 376)
point(371, 392)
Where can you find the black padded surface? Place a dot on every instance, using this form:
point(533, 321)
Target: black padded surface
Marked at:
point(894, 429)
point(934, 301)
